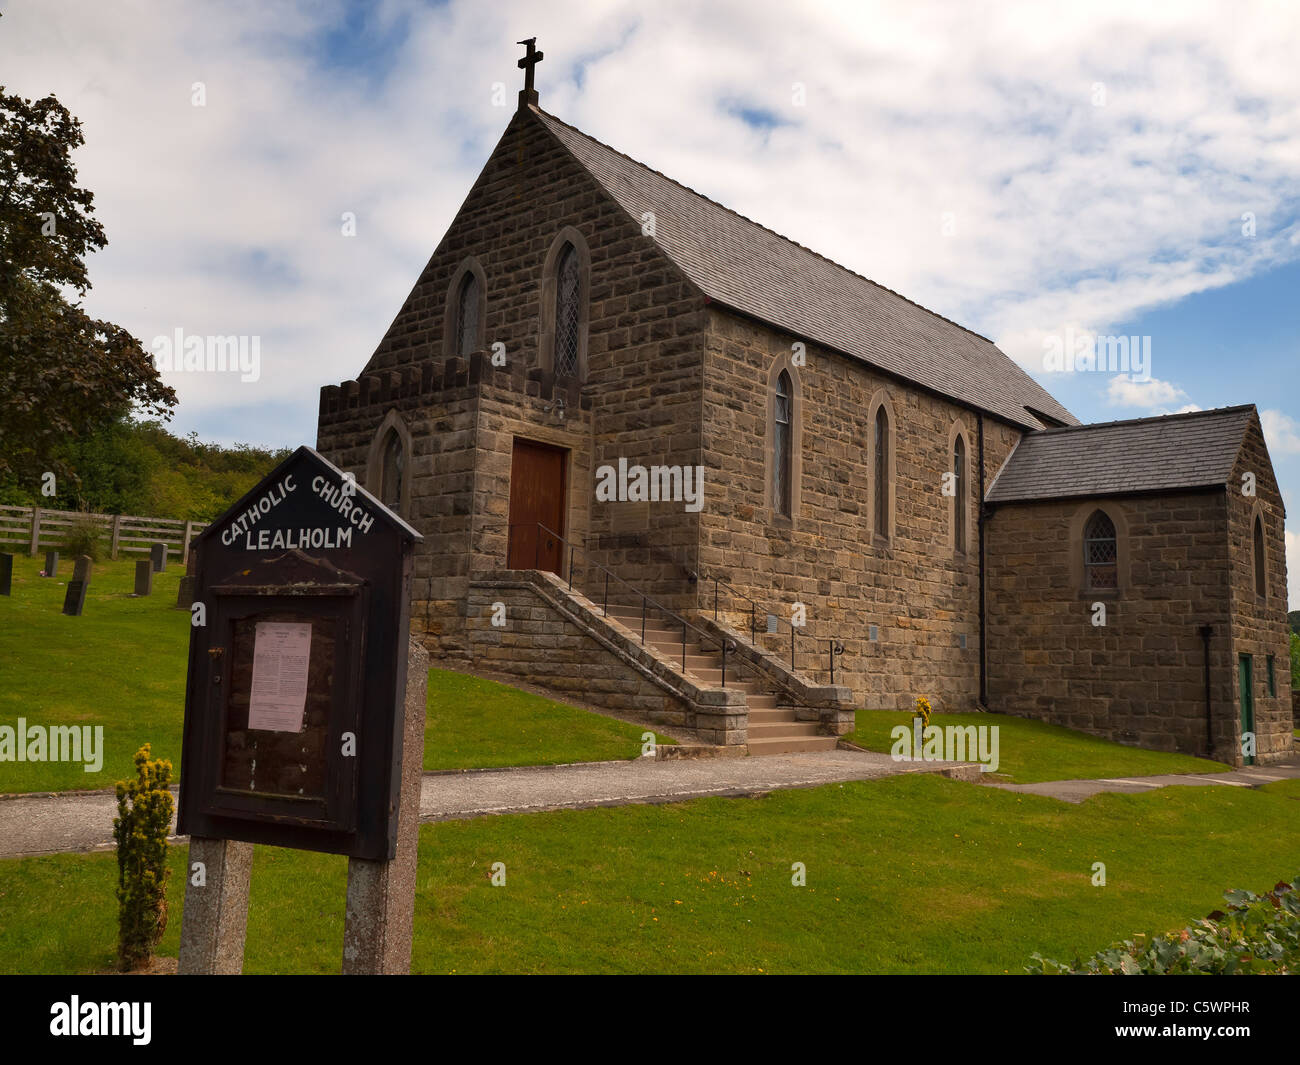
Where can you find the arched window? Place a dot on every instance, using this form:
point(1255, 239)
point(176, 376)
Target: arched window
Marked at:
point(1100, 552)
point(959, 503)
point(882, 471)
point(1261, 582)
point(467, 323)
point(390, 478)
point(568, 312)
point(783, 447)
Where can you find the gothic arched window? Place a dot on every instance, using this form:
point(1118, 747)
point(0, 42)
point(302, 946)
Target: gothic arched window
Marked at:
point(783, 447)
point(1261, 569)
point(390, 478)
point(1100, 552)
point(960, 506)
point(467, 323)
point(568, 312)
point(881, 443)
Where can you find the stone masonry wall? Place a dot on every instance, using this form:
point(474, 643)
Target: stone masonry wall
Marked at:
point(1138, 678)
point(640, 400)
point(915, 587)
point(1259, 625)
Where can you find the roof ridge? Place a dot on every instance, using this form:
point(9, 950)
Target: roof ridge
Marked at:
point(766, 229)
point(1148, 418)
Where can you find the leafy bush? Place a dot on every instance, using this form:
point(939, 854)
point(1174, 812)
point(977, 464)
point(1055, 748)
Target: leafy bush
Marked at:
point(84, 537)
point(1257, 934)
point(144, 815)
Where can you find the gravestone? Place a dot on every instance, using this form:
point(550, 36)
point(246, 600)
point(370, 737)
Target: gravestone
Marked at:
point(6, 573)
point(75, 598)
point(143, 577)
point(158, 556)
point(82, 570)
point(51, 563)
point(185, 590)
point(304, 710)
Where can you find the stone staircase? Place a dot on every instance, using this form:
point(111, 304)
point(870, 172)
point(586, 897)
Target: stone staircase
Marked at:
point(772, 729)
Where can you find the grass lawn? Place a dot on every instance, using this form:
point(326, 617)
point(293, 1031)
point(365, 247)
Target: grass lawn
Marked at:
point(472, 721)
point(910, 874)
point(1032, 751)
point(122, 665)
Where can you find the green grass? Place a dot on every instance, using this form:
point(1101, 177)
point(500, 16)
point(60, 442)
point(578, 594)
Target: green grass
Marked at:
point(909, 874)
point(122, 665)
point(1033, 751)
point(472, 721)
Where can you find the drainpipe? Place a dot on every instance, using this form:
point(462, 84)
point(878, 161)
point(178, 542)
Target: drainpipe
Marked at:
point(984, 672)
point(1206, 632)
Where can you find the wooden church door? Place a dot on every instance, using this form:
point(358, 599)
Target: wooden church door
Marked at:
point(537, 489)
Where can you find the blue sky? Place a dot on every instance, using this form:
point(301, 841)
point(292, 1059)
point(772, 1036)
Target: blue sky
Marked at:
point(1029, 170)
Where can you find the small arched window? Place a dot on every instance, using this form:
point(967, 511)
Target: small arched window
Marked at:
point(390, 478)
point(568, 312)
point(1100, 552)
point(959, 503)
point(783, 446)
point(1261, 569)
point(882, 471)
point(467, 323)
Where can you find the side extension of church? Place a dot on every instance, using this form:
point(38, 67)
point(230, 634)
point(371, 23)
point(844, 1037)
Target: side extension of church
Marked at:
point(866, 465)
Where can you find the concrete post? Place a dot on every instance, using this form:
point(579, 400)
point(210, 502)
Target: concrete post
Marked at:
point(381, 895)
point(216, 911)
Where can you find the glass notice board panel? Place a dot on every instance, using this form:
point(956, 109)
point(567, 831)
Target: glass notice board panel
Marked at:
point(278, 705)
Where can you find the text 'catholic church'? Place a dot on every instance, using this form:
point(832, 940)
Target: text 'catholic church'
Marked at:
point(670, 464)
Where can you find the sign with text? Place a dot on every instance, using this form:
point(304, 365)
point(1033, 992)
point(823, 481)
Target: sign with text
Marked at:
point(297, 666)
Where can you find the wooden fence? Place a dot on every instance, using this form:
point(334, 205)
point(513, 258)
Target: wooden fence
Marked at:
point(37, 528)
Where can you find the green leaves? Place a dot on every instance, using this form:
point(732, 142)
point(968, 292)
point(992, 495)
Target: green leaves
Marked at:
point(1257, 934)
point(144, 815)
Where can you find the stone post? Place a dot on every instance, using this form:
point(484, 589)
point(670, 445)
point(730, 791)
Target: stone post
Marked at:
point(381, 895)
point(216, 911)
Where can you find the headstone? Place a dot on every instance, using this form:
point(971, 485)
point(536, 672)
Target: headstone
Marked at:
point(75, 598)
point(158, 555)
point(6, 573)
point(185, 592)
point(82, 570)
point(51, 563)
point(304, 709)
point(143, 577)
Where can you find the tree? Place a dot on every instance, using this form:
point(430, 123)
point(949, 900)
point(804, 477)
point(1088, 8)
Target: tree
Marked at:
point(63, 374)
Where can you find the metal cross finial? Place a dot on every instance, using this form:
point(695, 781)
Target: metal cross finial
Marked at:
point(529, 62)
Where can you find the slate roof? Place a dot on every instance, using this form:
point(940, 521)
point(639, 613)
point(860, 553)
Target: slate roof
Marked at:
point(1177, 451)
point(741, 264)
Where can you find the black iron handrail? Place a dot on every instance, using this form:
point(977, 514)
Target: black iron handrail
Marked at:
point(835, 646)
point(705, 638)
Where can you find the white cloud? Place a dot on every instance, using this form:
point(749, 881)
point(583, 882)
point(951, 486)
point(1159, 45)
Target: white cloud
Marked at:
point(225, 219)
point(1281, 433)
point(1154, 395)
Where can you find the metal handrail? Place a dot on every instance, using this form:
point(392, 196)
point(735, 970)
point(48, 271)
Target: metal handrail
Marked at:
point(835, 645)
point(705, 638)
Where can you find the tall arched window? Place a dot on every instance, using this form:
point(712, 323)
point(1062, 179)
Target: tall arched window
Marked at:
point(467, 323)
point(882, 471)
point(959, 503)
point(1261, 569)
point(1100, 552)
point(390, 479)
point(568, 312)
point(783, 446)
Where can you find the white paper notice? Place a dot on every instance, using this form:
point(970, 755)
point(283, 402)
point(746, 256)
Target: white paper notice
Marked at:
point(281, 651)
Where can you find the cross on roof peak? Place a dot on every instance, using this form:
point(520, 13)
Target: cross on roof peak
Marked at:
point(528, 95)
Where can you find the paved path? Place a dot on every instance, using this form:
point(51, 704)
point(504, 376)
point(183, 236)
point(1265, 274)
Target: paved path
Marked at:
point(1078, 790)
point(47, 823)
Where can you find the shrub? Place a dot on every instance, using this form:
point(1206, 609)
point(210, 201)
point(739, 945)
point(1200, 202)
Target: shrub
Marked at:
point(83, 537)
point(1257, 934)
point(144, 814)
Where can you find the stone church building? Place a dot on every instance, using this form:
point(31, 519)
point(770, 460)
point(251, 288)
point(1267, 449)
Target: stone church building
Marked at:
point(668, 463)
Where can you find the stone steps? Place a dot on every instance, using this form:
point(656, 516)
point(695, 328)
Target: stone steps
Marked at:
point(772, 729)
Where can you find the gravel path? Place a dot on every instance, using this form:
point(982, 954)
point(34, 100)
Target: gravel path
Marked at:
point(46, 823)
